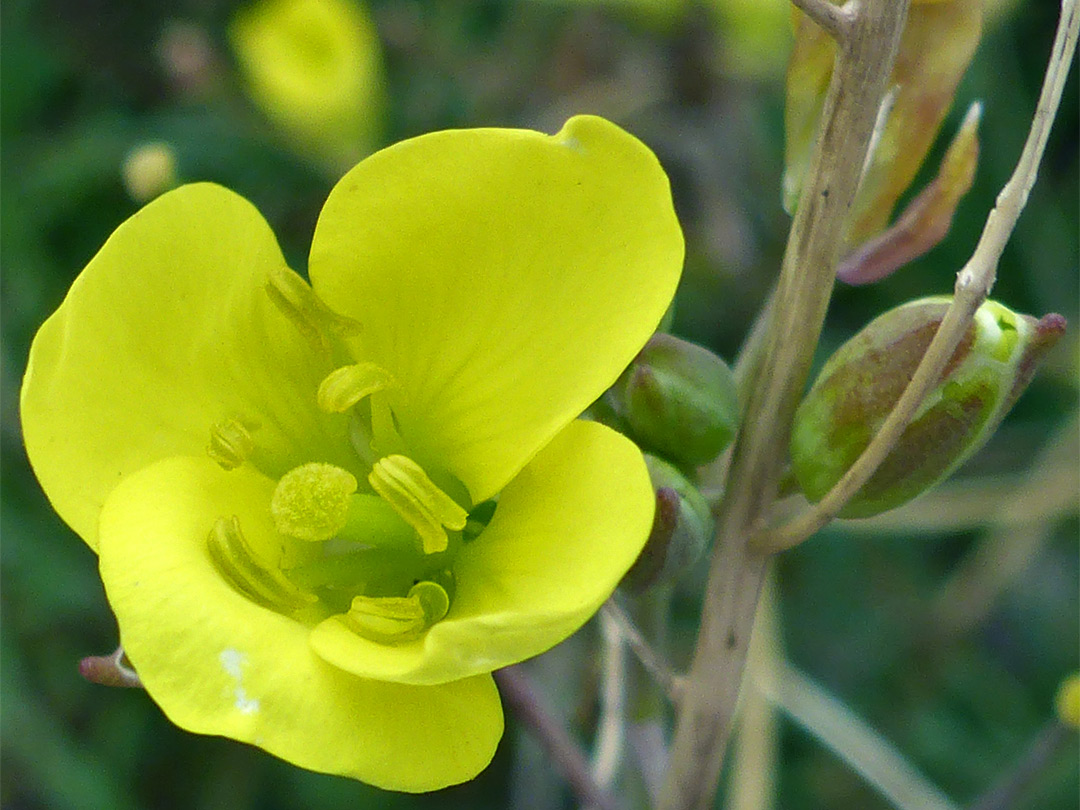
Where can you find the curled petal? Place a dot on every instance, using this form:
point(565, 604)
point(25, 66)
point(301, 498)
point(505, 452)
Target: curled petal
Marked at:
point(935, 49)
point(927, 218)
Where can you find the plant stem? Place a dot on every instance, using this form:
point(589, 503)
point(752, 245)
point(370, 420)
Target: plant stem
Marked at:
point(862, 748)
point(835, 20)
point(519, 693)
point(659, 669)
point(611, 729)
point(1002, 554)
point(863, 64)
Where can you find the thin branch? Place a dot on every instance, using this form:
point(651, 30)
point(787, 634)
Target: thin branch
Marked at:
point(1042, 752)
point(754, 771)
point(658, 668)
point(519, 693)
point(611, 728)
point(863, 64)
point(833, 20)
point(973, 284)
point(864, 750)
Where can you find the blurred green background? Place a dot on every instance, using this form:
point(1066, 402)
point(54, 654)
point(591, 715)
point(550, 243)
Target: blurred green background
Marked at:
point(861, 606)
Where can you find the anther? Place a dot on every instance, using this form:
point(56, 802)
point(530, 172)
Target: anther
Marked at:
point(421, 504)
point(230, 444)
point(312, 318)
point(395, 619)
point(311, 502)
point(346, 386)
point(237, 563)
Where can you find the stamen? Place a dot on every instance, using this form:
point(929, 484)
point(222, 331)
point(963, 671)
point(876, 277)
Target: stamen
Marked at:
point(311, 317)
point(230, 444)
point(237, 563)
point(421, 504)
point(395, 619)
point(311, 502)
point(347, 385)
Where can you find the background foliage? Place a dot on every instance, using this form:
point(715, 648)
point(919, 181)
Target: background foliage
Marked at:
point(85, 82)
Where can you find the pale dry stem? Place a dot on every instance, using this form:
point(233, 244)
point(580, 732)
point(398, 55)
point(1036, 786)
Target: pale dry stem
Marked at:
point(834, 20)
point(864, 62)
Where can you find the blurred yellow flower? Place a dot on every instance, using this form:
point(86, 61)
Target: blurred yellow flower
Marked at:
point(1068, 701)
point(315, 68)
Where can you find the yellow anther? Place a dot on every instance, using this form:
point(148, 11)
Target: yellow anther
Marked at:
point(311, 502)
point(395, 619)
point(230, 444)
point(311, 317)
point(421, 504)
point(237, 563)
point(346, 386)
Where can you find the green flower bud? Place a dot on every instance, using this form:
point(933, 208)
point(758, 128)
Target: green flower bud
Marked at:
point(861, 383)
point(678, 400)
point(682, 529)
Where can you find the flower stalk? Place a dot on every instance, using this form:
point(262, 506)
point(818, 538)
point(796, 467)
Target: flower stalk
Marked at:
point(791, 333)
point(863, 64)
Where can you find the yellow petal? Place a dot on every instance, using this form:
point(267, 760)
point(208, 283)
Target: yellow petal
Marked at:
point(565, 532)
point(217, 663)
point(167, 332)
point(503, 277)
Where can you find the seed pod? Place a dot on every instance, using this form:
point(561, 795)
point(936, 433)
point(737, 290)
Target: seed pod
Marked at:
point(678, 400)
point(862, 381)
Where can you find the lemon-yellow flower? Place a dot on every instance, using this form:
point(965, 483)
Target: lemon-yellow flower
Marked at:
point(315, 68)
point(324, 514)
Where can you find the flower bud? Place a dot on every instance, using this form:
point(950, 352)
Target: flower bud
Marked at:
point(682, 529)
point(862, 381)
point(149, 170)
point(678, 400)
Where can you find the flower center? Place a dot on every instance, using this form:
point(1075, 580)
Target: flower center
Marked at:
point(376, 551)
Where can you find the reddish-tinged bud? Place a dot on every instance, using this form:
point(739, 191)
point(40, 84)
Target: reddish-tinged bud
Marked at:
point(861, 383)
point(682, 529)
